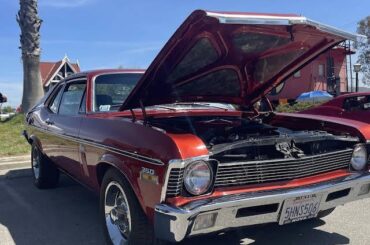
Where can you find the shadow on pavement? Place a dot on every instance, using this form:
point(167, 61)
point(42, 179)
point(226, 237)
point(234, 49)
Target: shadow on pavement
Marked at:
point(69, 215)
point(65, 215)
point(299, 233)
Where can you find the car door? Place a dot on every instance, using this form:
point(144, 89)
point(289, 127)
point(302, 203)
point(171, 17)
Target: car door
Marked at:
point(63, 126)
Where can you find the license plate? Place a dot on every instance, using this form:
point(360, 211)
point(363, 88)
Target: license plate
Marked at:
point(300, 208)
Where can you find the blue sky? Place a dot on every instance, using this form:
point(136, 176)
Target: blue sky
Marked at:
point(110, 33)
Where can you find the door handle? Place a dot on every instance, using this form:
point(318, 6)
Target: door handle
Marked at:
point(49, 122)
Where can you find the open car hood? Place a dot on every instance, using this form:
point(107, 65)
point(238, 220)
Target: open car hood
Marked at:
point(231, 58)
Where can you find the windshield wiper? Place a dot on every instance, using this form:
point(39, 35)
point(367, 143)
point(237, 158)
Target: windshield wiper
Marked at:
point(204, 104)
point(163, 107)
point(166, 107)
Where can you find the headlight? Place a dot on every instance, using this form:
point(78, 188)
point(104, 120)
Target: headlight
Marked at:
point(359, 157)
point(198, 177)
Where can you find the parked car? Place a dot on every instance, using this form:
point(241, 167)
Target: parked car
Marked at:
point(4, 117)
point(354, 106)
point(180, 150)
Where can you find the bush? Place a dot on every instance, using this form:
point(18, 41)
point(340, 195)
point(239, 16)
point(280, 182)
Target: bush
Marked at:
point(11, 141)
point(299, 106)
point(7, 109)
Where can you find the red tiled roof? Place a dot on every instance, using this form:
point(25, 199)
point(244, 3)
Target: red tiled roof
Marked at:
point(76, 67)
point(48, 69)
point(45, 69)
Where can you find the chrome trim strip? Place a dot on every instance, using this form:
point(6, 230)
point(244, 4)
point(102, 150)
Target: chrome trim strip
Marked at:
point(332, 30)
point(229, 18)
point(164, 187)
point(105, 147)
point(178, 221)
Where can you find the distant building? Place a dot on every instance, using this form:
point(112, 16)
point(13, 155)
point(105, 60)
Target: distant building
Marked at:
point(53, 72)
point(327, 72)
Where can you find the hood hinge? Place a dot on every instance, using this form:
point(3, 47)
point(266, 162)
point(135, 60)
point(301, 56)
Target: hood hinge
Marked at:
point(133, 115)
point(144, 112)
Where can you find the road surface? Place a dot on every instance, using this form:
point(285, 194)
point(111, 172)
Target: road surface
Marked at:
point(68, 215)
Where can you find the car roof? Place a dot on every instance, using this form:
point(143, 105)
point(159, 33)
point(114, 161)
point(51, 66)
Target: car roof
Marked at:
point(353, 95)
point(103, 71)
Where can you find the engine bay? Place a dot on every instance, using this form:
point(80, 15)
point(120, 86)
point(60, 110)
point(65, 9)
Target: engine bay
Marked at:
point(235, 138)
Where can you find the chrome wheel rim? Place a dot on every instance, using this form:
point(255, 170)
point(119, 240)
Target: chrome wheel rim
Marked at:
point(36, 164)
point(117, 214)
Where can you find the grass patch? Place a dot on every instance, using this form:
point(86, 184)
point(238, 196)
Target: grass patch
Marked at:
point(300, 106)
point(11, 141)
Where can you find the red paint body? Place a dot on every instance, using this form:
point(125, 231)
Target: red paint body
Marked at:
point(85, 145)
point(117, 129)
point(337, 108)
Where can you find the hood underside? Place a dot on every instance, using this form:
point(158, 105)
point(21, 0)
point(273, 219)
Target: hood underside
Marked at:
point(231, 58)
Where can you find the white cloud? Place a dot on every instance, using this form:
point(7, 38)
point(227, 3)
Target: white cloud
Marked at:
point(64, 3)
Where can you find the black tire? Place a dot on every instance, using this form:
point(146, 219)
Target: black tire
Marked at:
point(141, 231)
point(325, 213)
point(45, 173)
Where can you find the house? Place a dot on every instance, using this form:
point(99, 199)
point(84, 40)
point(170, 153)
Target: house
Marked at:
point(53, 72)
point(328, 72)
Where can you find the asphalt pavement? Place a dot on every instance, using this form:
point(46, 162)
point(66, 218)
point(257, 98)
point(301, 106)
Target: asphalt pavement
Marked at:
point(69, 215)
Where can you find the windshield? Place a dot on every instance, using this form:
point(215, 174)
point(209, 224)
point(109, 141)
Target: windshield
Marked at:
point(111, 90)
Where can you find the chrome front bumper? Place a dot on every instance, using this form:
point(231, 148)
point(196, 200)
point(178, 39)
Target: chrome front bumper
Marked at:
point(175, 223)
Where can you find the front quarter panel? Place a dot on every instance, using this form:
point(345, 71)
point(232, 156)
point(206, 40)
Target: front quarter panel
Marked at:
point(133, 148)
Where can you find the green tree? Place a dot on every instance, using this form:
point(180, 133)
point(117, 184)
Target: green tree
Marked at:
point(363, 49)
point(7, 109)
point(30, 23)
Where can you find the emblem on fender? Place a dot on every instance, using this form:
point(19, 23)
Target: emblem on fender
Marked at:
point(149, 175)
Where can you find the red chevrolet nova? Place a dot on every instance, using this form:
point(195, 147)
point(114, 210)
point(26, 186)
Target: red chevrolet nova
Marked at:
point(354, 106)
point(181, 149)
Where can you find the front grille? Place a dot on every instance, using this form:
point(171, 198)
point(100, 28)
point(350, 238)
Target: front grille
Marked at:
point(175, 182)
point(256, 172)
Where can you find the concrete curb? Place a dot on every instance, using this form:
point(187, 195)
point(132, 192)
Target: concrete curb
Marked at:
point(7, 163)
point(15, 158)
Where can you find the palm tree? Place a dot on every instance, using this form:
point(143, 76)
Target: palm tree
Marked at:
point(30, 24)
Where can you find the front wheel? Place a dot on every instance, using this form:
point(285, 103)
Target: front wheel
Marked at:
point(123, 220)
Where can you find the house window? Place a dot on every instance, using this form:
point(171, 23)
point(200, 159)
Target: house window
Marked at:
point(297, 74)
point(321, 70)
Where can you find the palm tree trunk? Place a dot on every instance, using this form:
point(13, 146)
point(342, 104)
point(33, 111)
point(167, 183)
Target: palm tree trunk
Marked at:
point(30, 23)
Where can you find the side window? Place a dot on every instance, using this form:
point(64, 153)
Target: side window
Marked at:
point(83, 104)
point(297, 74)
point(54, 105)
point(321, 70)
point(358, 103)
point(71, 99)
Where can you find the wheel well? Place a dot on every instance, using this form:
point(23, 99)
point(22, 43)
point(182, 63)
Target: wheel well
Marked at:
point(101, 169)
